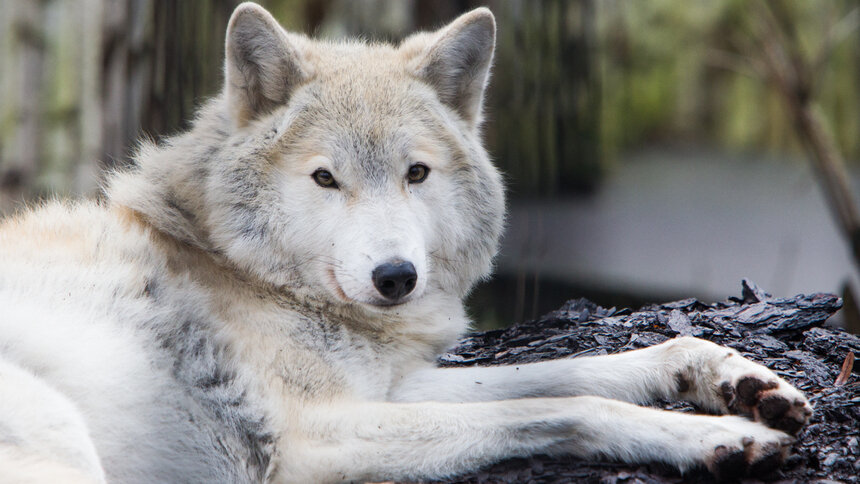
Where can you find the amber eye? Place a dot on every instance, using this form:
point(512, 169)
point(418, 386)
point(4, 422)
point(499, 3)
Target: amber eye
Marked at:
point(417, 173)
point(324, 178)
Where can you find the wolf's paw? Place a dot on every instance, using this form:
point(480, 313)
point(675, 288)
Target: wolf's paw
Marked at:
point(719, 378)
point(746, 448)
point(765, 397)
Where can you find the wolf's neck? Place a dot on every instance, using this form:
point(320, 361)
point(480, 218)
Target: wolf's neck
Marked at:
point(166, 185)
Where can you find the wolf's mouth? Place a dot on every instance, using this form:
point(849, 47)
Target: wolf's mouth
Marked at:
point(338, 291)
point(382, 303)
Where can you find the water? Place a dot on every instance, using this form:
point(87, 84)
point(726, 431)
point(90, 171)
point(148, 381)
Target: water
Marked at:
point(671, 224)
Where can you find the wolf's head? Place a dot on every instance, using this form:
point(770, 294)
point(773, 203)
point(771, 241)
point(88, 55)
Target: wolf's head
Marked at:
point(354, 171)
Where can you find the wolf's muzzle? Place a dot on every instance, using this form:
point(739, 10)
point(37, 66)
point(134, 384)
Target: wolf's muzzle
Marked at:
point(394, 280)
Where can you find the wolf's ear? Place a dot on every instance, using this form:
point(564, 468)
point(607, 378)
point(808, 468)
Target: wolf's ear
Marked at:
point(456, 61)
point(262, 65)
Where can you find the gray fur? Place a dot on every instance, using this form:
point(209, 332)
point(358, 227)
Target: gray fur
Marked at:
point(244, 443)
point(262, 67)
point(458, 64)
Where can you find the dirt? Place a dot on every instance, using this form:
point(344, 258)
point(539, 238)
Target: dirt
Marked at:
point(788, 335)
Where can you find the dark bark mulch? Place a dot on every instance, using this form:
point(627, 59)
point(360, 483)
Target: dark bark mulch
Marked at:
point(786, 334)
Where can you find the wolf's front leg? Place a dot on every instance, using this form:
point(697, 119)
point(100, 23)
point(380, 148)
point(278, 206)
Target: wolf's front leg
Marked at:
point(714, 377)
point(375, 441)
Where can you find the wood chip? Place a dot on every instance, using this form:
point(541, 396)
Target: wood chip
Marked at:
point(847, 368)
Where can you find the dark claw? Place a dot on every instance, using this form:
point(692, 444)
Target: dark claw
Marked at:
point(769, 462)
point(748, 389)
point(773, 406)
point(787, 424)
point(729, 464)
point(777, 413)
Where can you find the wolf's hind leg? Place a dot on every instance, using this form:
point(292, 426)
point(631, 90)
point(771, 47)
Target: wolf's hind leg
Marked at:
point(43, 437)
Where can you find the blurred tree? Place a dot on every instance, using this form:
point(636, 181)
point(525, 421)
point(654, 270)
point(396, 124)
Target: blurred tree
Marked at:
point(160, 59)
point(23, 51)
point(544, 109)
point(83, 79)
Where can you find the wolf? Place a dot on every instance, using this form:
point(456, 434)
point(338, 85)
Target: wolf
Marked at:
point(263, 298)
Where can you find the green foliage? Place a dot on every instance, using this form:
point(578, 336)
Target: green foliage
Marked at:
point(681, 70)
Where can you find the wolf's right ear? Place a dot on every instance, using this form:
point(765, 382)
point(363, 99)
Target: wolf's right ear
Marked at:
point(262, 65)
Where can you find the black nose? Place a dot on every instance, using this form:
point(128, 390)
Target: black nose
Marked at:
point(395, 279)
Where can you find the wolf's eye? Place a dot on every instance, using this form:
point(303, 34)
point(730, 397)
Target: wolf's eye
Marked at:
point(324, 178)
point(417, 173)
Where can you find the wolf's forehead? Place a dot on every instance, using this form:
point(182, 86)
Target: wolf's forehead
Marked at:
point(366, 111)
point(352, 87)
point(373, 113)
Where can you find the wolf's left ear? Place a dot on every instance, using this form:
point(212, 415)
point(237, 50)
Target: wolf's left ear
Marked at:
point(263, 65)
point(456, 61)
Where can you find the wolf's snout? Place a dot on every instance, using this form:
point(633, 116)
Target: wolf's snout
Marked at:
point(394, 280)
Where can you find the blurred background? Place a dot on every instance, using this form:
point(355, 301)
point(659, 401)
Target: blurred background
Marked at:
point(653, 150)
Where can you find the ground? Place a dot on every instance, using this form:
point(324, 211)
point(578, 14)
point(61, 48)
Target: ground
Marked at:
point(788, 335)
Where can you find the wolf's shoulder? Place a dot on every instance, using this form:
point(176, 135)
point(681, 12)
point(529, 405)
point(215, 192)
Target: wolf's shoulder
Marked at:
point(71, 229)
